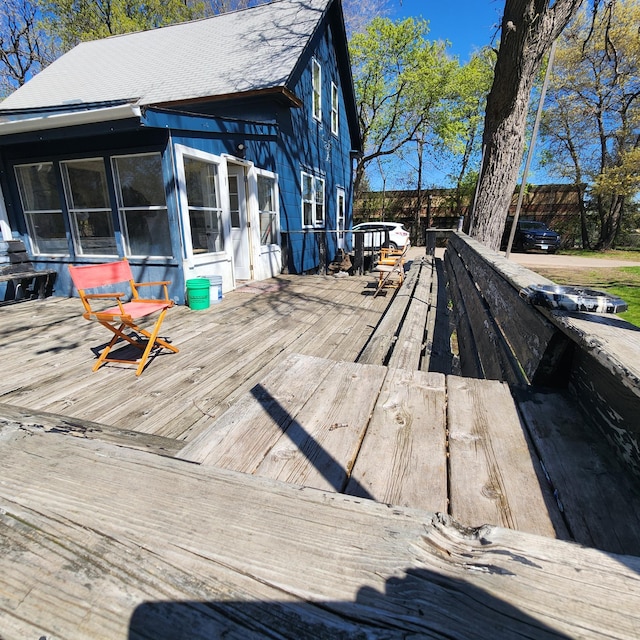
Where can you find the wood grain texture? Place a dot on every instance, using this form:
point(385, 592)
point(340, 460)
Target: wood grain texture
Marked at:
point(494, 474)
point(105, 542)
point(599, 498)
point(403, 458)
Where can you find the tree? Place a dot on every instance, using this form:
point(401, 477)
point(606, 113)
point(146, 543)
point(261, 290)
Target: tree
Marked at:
point(528, 29)
point(466, 111)
point(74, 21)
point(24, 47)
point(396, 71)
point(592, 122)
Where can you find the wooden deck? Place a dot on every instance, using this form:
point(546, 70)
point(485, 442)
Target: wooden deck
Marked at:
point(206, 494)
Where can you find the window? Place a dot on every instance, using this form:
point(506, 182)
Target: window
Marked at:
point(40, 199)
point(312, 201)
point(341, 216)
point(267, 210)
point(85, 185)
point(334, 109)
point(317, 90)
point(142, 204)
point(203, 199)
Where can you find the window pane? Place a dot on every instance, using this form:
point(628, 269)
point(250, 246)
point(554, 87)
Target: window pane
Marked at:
point(148, 232)
point(308, 214)
point(267, 227)
point(204, 211)
point(143, 205)
point(140, 180)
point(265, 194)
point(206, 231)
point(234, 202)
point(41, 204)
point(307, 187)
point(94, 233)
point(319, 201)
point(38, 187)
point(201, 179)
point(48, 233)
point(88, 202)
point(87, 184)
point(317, 90)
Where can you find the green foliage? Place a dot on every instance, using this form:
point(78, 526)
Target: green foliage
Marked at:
point(73, 21)
point(404, 85)
point(593, 114)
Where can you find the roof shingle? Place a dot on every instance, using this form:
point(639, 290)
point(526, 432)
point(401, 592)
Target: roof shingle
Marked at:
point(245, 50)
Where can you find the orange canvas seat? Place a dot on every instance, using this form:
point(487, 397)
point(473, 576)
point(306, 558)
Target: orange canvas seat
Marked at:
point(122, 318)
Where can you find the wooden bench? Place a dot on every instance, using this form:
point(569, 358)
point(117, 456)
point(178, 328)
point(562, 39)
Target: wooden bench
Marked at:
point(23, 280)
point(576, 377)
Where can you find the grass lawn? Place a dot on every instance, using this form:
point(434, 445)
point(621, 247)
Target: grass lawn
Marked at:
point(623, 282)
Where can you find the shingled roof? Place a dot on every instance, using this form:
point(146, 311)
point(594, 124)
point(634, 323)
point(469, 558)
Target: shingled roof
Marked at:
point(243, 51)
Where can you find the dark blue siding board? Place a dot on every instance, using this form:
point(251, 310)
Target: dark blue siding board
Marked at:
point(310, 146)
point(280, 135)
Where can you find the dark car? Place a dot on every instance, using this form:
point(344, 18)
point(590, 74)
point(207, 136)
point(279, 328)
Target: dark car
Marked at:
point(530, 235)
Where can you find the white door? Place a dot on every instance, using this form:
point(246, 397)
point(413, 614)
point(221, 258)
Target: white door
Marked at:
point(239, 228)
point(340, 217)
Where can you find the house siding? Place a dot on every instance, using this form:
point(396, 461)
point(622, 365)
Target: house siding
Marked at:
point(278, 136)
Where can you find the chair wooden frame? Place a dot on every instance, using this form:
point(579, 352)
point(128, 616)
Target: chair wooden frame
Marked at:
point(390, 265)
point(125, 315)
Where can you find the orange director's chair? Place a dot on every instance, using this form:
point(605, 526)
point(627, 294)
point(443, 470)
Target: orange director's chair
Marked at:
point(125, 315)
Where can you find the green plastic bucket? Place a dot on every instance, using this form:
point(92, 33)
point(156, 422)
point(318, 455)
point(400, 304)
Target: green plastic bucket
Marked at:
point(198, 293)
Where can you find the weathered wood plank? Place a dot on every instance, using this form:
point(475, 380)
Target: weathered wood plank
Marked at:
point(403, 458)
point(244, 434)
point(27, 418)
point(599, 498)
point(494, 476)
point(123, 544)
point(466, 348)
point(379, 346)
point(492, 350)
point(407, 349)
point(527, 331)
point(321, 443)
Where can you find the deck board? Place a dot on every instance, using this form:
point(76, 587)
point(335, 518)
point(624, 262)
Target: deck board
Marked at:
point(114, 543)
point(403, 458)
point(494, 475)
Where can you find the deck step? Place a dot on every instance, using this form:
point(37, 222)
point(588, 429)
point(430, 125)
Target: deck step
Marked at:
point(56, 423)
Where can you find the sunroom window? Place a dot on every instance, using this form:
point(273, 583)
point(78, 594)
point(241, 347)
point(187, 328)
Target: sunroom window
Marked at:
point(40, 199)
point(142, 204)
point(205, 213)
point(85, 183)
point(267, 210)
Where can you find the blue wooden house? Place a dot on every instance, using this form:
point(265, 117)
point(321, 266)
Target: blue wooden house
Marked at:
point(218, 147)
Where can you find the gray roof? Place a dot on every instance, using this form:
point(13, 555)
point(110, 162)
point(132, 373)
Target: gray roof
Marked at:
point(245, 50)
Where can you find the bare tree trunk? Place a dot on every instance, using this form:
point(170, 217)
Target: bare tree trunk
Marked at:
point(529, 27)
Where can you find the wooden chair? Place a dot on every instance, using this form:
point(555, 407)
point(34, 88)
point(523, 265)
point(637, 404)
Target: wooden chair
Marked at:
point(390, 267)
point(125, 315)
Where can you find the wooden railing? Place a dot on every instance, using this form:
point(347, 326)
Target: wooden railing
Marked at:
point(500, 335)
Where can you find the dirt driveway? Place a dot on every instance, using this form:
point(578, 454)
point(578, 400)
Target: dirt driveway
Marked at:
point(559, 261)
point(545, 260)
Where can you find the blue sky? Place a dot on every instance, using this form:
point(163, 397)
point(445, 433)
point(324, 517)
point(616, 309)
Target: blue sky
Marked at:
point(467, 24)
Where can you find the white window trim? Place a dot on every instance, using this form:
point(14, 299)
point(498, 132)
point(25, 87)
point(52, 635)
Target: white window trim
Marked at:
point(183, 151)
point(316, 90)
point(276, 195)
point(335, 109)
point(315, 224)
